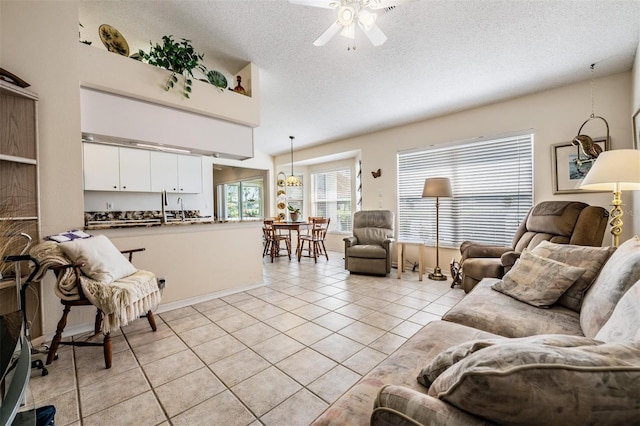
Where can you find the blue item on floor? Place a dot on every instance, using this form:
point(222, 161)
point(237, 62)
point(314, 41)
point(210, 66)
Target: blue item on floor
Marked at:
point(45, 416)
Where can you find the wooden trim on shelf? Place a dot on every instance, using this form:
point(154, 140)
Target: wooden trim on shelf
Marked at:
point(14, 159)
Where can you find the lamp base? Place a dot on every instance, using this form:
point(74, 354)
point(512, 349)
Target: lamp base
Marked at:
point(437, 275)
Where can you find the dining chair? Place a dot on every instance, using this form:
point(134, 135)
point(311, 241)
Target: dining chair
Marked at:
point(273, 241)
point(93, 272)
point(315, 239)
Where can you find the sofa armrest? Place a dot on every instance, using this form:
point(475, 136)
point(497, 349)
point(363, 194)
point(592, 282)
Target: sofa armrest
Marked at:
point(399, 405)
point(350, 241)
point(508, 259)
point(482, 250)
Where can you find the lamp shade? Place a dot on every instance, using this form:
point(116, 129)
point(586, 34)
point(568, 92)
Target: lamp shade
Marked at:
point(292, 181)
point(620, 167)
point(437, 187)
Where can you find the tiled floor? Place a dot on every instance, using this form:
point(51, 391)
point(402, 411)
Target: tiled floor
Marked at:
point(276, 355)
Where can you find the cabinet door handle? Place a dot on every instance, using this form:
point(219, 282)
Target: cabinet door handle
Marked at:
point(115, 187)
point(124, 187)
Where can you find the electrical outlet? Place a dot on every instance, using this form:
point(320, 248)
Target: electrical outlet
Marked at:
point(109, 205)
point(162, 282)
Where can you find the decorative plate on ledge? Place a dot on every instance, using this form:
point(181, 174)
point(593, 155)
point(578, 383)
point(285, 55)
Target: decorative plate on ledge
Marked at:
point(217, 79)
point(113, 40)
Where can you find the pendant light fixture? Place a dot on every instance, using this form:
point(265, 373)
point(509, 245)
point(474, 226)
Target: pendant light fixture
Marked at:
point(292, 180)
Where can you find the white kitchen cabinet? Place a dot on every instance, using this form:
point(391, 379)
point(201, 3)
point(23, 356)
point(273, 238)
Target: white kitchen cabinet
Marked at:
point(101, 167)
point(176, 173)
point(164, 171)
point(112, 168)
point(135, 172)
point(189, 174)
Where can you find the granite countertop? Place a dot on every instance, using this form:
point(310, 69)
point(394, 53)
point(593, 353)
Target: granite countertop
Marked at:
point(138, 219)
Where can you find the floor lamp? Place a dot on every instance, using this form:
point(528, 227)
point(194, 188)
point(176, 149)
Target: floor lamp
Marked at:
point(437, 187)
point(614, 171)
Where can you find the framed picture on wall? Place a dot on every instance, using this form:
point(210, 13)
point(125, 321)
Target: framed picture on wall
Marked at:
point(569, 168)
point(636, 129)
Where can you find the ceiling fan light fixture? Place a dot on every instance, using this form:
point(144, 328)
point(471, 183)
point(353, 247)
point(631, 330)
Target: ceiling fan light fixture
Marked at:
point(346, 14)
point(366, 19)
point(349, 32)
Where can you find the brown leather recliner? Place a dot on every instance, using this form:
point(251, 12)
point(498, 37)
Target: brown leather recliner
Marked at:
point(369, 250)
point(562, 222)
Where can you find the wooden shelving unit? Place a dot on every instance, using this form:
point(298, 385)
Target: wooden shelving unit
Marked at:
point(19, 189)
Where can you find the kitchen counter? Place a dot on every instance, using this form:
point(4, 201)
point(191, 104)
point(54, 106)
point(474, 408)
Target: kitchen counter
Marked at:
point(148, 219)
point(142, 219)
point(146, 223)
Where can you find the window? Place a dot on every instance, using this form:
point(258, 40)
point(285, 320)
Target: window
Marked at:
point(492, 185)
point(331, 197)
point(242, 199)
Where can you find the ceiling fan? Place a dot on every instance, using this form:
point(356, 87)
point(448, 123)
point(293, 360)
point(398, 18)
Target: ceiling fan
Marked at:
point(350, 13)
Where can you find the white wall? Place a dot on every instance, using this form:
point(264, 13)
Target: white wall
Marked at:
point(554, 116)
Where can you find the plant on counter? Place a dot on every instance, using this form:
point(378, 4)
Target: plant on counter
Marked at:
point(293, 209)
point(178, 57)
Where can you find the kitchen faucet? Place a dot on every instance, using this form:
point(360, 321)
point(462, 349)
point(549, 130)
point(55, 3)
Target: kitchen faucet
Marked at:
point(163, 203)
point(181, 202)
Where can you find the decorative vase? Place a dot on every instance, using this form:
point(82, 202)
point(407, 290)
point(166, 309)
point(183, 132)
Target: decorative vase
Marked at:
point(294, 216)
point(239, 88)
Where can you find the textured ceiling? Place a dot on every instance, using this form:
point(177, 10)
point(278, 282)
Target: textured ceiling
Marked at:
point(440, 56)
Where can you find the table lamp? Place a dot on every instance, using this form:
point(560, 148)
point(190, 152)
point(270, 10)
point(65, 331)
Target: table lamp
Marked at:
point(437, 187)
point(615, 171)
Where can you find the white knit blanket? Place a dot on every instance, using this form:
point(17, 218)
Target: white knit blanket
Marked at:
point(121, 301)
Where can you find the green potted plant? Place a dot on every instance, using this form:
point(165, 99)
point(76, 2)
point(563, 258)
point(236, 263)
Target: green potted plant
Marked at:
point(294, 213)
point(178, 57)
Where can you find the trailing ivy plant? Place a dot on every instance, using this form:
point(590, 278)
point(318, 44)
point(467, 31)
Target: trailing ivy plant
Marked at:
point(178, 57)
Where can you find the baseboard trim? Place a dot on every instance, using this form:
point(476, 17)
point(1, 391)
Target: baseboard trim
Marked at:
point(84, 328)
point(204, 298)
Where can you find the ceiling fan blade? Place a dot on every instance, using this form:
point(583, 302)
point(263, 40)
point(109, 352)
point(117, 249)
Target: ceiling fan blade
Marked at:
point(375, 35)
point(381, 4)
point(325, 4)
point(328, 34)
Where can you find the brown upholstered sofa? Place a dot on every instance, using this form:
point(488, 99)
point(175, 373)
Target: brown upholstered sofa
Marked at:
point(497, 360)
point(562, 222)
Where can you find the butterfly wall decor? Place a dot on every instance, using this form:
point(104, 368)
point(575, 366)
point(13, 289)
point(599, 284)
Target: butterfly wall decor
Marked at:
point(376, 174)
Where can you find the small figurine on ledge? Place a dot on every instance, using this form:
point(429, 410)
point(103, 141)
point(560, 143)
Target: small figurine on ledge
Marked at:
point(239, 88)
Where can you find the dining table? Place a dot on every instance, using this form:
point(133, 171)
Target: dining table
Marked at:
point(293, 226)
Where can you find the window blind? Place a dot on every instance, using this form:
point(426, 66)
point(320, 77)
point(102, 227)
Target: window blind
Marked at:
point(331, 197)
point(492, 184)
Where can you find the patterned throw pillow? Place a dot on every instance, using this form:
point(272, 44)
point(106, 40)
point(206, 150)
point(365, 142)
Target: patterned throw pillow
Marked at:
point(624, 323)
point(454, 354)
point(589, 258)
point(537, 280)
point(526, 383)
